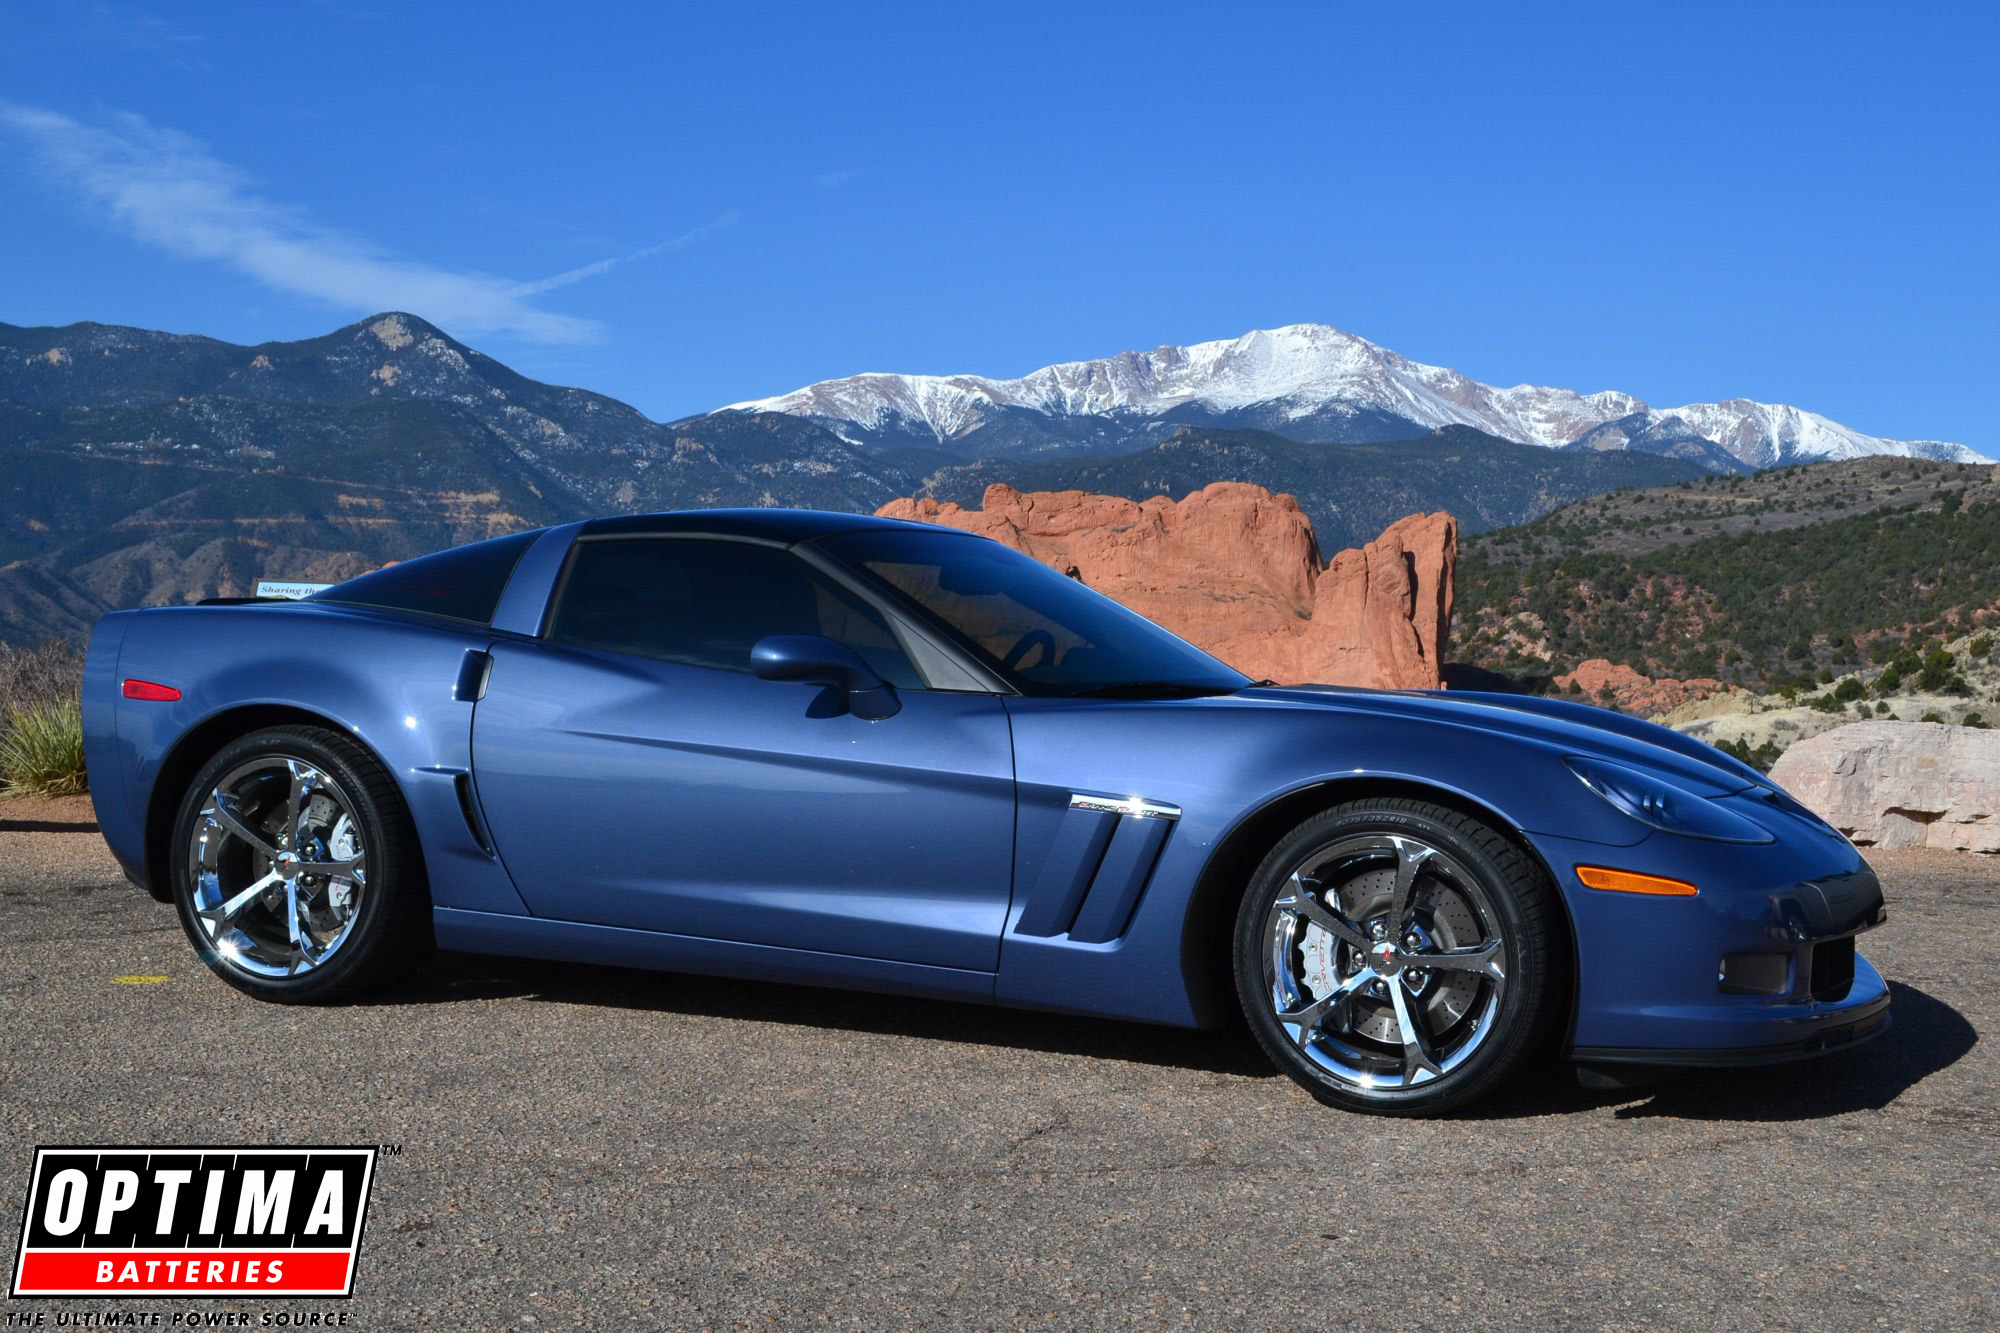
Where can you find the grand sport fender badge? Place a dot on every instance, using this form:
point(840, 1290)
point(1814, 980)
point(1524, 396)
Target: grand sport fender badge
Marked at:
point(1133, 807)
point(154, 1222)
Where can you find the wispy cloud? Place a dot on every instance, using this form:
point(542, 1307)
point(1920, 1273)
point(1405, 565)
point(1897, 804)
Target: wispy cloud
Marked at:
point(168, 191)
point(144, 34)
point(680, 242)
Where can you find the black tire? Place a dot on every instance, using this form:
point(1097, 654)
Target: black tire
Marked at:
point(388, 931)
point(1511, 899)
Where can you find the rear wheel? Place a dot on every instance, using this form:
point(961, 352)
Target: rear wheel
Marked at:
point(297, 876)
point(1398, 957)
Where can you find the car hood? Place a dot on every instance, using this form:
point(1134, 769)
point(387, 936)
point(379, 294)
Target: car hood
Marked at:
point(1557, 724)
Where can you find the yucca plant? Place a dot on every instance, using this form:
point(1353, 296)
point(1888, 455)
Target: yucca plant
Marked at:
point(41, 753)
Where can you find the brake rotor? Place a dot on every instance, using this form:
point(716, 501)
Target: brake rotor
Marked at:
point(1444, 920)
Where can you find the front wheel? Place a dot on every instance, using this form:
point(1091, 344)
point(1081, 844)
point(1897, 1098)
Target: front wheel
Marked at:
point(1397, 957)
point(296, 872)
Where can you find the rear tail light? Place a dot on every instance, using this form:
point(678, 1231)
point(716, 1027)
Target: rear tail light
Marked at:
point(150, 691)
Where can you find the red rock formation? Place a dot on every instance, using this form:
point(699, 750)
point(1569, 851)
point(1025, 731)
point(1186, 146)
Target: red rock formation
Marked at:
point(1633, 692)
point(1235, 570)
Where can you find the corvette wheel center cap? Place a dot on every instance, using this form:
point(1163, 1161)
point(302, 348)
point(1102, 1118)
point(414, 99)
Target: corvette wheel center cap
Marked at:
point(288, 864)
point(1384, 960)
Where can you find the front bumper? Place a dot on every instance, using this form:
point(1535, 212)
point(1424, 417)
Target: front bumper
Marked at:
point(1836, 1028)
point(1759, 967)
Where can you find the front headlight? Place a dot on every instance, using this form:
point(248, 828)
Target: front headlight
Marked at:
point(1655, 801)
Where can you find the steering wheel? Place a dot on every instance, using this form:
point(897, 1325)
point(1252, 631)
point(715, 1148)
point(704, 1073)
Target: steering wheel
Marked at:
point(1027, 643)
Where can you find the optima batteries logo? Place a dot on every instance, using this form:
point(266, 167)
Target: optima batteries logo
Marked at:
point(193, 1221)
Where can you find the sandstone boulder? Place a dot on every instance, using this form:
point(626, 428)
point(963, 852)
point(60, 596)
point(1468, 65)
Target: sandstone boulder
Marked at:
point(1235, 570)
point(1901, 784)
point(1600, 680)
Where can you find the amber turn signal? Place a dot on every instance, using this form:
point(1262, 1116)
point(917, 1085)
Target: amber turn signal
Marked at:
point(1631, 881)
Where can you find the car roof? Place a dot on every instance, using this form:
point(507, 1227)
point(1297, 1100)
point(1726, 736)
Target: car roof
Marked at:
point(786, 525)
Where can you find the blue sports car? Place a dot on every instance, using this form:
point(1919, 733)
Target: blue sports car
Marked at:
point(819, 748)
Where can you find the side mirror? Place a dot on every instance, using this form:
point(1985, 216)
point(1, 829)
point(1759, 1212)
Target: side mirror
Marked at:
point(815, 660)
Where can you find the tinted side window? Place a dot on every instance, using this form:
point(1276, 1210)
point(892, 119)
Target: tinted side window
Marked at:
point(706, 603)
point(463, 583)
point(1048, 634)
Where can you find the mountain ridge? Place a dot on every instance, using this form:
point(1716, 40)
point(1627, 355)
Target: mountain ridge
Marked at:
point(1313, 383)
point(145, 467)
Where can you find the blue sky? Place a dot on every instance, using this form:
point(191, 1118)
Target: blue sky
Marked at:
point(688, 206)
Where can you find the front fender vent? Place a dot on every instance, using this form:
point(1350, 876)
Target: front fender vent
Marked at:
point(1098, 867)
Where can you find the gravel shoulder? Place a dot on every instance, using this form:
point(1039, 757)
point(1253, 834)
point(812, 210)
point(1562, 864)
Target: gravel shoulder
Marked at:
point(582, 1146)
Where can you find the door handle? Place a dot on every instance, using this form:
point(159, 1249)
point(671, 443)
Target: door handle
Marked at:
point(470, 687)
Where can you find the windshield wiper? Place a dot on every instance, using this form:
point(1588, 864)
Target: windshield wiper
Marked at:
point(1150, 689)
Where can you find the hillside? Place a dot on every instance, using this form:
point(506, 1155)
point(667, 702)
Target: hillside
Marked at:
point(1634, 522)
point(1351, 492)
point(1764, 581)
point(150, 467)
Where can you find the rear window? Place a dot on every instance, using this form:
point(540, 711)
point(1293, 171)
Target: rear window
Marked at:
point(463, 583)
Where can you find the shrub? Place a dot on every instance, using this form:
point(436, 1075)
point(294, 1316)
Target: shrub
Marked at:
point(42, 752)
point(1932, 717)
point(49, 671)
point(1975, 720)
point(1848, 690)
point(1937, 672)
point(1824, 703)
point(1981, 646)
point(1760, 758)
point(41, 742)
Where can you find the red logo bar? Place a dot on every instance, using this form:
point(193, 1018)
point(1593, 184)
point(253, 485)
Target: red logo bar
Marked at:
point(184, 1273)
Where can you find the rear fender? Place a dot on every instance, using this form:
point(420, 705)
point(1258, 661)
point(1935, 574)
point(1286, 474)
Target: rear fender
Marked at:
point(387, 683)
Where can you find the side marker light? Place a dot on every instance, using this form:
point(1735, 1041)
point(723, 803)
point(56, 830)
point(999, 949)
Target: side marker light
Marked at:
point(1631, 881)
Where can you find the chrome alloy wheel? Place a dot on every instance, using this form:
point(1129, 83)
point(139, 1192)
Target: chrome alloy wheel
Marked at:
point(1384, 961)
point(277, 867)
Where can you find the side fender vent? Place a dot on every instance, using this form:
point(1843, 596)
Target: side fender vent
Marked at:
point(462, 784)
point(1098, 867)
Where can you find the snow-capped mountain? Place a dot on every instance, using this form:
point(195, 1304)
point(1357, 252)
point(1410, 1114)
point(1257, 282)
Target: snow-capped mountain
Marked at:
point(1307, 381)
point(1767, 434)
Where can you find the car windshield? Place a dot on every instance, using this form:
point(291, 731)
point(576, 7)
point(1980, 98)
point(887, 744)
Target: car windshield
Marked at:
point(1043, 632)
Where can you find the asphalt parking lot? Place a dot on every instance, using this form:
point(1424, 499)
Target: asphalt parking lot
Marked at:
point(590, 1147)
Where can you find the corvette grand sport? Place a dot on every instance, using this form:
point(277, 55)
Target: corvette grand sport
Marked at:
point(819, 748)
